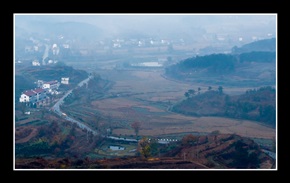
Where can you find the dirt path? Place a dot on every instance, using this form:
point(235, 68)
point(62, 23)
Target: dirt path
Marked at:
point(27, 138)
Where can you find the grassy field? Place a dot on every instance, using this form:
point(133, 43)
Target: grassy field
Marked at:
point(169, 125)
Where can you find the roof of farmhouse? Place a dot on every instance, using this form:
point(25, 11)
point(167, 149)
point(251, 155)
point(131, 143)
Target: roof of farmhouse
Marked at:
point(51, 82)
point(29, 93)
point(33, 92)
point(39, 90)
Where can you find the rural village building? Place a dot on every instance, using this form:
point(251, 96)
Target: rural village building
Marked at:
point(35, 63)
point(50, 85)
point(65, 81)
point(36, 96)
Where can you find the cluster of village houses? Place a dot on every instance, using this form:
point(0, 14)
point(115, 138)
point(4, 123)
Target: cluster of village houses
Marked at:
point(38, 96)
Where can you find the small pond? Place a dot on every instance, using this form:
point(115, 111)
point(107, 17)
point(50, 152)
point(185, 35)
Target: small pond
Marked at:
point(116, 148)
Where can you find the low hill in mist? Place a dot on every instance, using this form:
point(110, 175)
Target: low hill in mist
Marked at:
point(68, 29)
point(254, 67)
point(265, 45)
point(258, 105)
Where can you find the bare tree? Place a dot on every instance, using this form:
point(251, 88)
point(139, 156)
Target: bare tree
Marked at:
point(136, 126)
point(186, 94)
point(97, 123)
point(199, 89)
point(191, 92)
point(220, 89)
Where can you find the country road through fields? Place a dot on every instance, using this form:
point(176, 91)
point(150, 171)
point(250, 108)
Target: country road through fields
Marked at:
point(56, 109)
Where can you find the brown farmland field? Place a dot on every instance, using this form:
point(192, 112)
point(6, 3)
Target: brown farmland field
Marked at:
point(145, 96)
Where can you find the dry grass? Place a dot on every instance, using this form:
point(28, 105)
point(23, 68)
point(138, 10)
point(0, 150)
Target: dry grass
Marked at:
point(115, 103)
point(266, 165)
point(203, 124)
point(140, 89)
point(122, 103)
point(32, 132)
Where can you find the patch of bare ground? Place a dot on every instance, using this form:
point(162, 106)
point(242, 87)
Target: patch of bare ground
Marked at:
point(114, 103)
point(24, 134)
point(177, 124)
point(23, 122)
point(147, 87)
point(116, 163)
point(268, 164)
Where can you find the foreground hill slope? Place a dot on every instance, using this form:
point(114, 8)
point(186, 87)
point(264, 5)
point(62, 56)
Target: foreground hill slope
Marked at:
point(214, 151)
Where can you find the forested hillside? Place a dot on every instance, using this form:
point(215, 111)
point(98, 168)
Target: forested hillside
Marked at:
point(265, 45)
point(253, 64)
point(215, 63)
point(260, 57)
point(258, 105)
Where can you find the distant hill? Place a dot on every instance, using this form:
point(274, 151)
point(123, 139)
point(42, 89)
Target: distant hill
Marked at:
point(258, 105)
point(71, 30)
point(255, 68)
point(261, 45)
point(208, 65)
point(214, 63)
point(75, 29)
point(258, 56)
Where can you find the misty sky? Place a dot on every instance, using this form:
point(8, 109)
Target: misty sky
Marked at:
point(159, 24)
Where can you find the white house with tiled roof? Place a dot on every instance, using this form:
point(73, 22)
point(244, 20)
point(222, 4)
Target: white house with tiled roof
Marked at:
point(65, 81)
point(35, 63)
point(50, 85)
point(28, 96)
point(33, 96)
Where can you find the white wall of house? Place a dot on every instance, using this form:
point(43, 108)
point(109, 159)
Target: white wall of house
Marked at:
point(54, 86)
point(33, 98)
point(41, 96)
point(35, 63)
point(24, 98)
point(65, 81)
point(50, 86)
point(46, 86)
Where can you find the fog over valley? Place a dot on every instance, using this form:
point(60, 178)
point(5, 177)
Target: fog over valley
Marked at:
point(145, 91)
